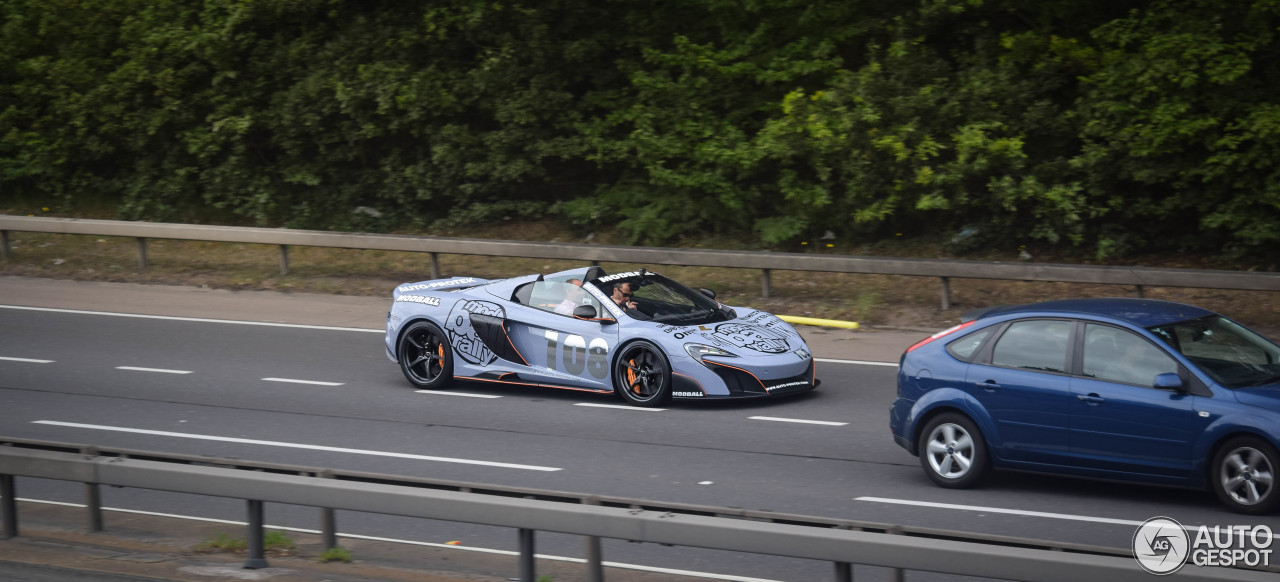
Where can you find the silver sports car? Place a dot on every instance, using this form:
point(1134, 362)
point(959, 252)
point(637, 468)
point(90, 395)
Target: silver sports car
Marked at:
point(637, 333)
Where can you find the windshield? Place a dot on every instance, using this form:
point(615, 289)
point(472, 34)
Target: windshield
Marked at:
point(662, 300)
point(1233, 355)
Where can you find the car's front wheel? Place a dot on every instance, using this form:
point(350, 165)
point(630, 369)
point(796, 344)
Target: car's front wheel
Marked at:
point(425, 356)
point(1244, 473)
point(641, 374)
point(953, 451)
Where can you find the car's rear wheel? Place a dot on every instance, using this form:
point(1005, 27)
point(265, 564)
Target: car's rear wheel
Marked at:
point(425, 356)
point(953, 451)
point(1244, 475)
point(642, 375)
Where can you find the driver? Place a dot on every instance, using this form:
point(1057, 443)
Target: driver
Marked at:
point(622, 295)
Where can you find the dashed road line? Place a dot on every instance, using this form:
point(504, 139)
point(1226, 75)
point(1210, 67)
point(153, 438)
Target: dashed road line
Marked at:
point(998, 510)
point(799, 420)
point(620, 407)
point(27, 360)
point(193, 319)
point(293, 381)
point(160, 370)
point(204, 437)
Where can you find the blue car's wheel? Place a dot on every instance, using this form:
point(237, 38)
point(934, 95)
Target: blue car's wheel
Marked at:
point(641, 374)
point(425, 356)
point(953, 451)
point(1244, 475)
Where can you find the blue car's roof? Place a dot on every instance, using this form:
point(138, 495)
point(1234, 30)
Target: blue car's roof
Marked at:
point(1140, 312)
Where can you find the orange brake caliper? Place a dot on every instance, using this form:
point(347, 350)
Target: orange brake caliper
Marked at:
point(631, 377)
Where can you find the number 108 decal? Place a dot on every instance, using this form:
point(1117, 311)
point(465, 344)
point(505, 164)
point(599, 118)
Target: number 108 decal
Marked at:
point(577, 356)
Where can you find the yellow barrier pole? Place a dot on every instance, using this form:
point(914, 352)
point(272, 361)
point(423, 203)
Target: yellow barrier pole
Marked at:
point(821, 322)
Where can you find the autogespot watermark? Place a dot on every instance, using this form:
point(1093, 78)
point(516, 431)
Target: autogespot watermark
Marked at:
point(1162, 545)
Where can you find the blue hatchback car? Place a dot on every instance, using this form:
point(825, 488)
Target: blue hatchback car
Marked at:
point(1122, 389)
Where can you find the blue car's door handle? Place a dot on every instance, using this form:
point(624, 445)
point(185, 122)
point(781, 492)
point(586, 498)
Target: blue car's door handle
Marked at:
point(1092, 399)
point(989, 385)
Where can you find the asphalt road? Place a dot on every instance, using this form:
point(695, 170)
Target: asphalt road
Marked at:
point(327, 396)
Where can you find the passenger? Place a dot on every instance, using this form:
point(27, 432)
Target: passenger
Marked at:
point(572, 297)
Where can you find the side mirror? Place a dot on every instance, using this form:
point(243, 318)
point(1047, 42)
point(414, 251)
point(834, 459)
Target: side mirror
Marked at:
point(708, 292)
point(1170, 381)
point(585, 312)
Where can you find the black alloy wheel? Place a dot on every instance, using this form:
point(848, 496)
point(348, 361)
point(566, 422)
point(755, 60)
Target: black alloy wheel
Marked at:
point(641, 374)
point(425, 356)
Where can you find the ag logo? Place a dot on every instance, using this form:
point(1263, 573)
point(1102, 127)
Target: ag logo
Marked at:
point(1161, 546)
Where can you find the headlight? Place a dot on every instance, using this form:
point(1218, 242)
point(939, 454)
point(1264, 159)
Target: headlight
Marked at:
point(803, 353)
point(698, 351)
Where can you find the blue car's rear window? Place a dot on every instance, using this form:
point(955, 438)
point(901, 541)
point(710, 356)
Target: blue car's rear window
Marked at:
point(966, 347)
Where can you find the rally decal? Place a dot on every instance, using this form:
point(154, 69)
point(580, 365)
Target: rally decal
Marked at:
point(682, 332)
point(626, 275)
point(768, 320)
point(575, 355)
point(432, 301)
point(462, 335)
point(752, 337)
point(438, 284)
point(785, 385)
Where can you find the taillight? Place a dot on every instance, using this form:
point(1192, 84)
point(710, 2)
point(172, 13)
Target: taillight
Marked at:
point(943, 333)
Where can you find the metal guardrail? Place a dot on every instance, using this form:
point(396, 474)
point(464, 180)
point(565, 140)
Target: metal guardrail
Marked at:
point(842, 542)
point(766, 262)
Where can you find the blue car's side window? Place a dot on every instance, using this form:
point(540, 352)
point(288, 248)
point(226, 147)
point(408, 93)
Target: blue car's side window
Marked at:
point(1038, 344)
point(1116, 355)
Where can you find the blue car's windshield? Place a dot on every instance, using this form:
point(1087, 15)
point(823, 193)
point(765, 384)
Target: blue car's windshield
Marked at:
point(1233, 355)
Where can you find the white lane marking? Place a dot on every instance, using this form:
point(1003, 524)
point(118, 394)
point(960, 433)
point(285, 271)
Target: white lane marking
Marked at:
point(195, 319)
point(622, 565)
point(183, 435)
point(27, 360)
point(999, 510)
point(161, 370)
point(292, 381)
point(801, 421)
point(620, 407)
point(856, 362)
point(467, 394)
point(1064, 516)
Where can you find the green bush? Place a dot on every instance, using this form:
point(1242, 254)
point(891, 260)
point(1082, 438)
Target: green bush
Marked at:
point(1109, 127)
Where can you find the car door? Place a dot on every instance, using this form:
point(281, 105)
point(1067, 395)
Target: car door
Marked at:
point(1024, 387)
point(559, 348)
point(1120, 422)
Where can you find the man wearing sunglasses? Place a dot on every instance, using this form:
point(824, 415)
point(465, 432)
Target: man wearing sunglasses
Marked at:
point(622, 293)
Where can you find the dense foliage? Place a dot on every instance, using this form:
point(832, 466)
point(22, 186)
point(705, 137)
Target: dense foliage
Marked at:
point(1108, 126)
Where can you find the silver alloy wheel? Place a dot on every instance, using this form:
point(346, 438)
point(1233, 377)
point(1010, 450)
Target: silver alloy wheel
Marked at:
point(1246, 475)
point(950, 450)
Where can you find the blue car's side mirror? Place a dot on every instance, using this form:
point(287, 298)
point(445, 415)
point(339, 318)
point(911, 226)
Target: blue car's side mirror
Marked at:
point(1170, 381)
point(584, 312)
